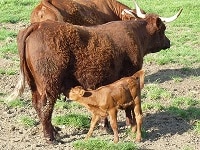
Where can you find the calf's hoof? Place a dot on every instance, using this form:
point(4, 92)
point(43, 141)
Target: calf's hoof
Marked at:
point(116, 140)
point(138, 139)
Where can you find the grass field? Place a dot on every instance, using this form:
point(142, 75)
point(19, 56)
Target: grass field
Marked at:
point(182, 59)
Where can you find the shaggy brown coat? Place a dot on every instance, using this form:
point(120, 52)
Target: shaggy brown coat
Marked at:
point(106, 100)
point(56, 56)
point(80, 12)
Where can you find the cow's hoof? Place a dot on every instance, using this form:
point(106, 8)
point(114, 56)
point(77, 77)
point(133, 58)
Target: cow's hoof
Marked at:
point(54, 142)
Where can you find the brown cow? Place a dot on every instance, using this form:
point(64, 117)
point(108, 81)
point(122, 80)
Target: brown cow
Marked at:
point(106, 100)
point(81, 12)
point(56, 56)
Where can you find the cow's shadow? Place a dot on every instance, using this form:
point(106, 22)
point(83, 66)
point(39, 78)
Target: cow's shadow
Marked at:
point(167, 74)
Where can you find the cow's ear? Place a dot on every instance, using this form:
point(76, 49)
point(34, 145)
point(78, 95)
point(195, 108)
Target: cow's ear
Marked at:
point(158, 22)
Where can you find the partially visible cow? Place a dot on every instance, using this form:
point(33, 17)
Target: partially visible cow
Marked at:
point(106, 100)
point(81, 12)
point(56, 56)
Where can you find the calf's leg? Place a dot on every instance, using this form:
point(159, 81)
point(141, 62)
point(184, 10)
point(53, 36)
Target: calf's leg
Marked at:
point(113, 122)
point(138, 116)
point(94, 120)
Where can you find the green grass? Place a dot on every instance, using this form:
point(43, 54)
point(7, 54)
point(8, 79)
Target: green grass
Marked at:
point(197, 126)
point(60, 104)
point(16, 103)
point(74, 120)
point(16, 11)
point(100, 144)
point(154, 92)
point(8, 71)
point(27, 121)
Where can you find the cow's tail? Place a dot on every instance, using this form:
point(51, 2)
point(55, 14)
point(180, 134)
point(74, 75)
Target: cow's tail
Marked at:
point(21, 43)
point(54, 9)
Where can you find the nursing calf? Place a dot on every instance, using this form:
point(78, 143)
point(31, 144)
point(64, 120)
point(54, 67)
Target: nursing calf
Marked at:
point(106, 100)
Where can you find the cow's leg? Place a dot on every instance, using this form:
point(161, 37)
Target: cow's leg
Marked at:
point(94, 120)
point(104, 124)
point(130, 119)
point(46, 114)
point(113, 123)
point(44, 108)
point(138, 117)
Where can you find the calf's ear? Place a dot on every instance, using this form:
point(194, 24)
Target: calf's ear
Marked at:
point(82, 92)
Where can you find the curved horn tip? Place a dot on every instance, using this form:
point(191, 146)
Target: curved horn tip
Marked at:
point(170, 19)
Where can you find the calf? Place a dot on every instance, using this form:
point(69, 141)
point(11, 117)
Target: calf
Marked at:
point(106, 100)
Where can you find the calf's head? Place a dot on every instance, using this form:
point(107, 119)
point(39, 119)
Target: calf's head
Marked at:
point(76, 93)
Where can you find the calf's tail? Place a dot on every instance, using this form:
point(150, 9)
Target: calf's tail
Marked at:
point(21, 43)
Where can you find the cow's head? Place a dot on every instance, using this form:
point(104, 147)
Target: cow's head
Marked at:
point(155, 28)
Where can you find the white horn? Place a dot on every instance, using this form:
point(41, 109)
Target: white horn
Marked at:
point(126, 11)
point(170, 19)
point(138, 11)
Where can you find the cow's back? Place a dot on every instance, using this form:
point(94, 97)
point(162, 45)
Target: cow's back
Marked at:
point(79, 12)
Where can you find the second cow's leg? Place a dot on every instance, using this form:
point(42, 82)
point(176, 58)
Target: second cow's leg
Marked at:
point(130, 117)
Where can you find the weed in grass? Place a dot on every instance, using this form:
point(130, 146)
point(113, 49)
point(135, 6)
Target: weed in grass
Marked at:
point(197, 127)
point(7, 71)
point(99, 144)
point(16, 103)
point(75, 120)
point(177, 79)
point(129, 133)
point(8, 48)
point(5, 34)
point(184, 101)
point(188, 148)
point(60, 104)
point(191, 113)
point(152, 106)
point(152, 91)
point(27, 121)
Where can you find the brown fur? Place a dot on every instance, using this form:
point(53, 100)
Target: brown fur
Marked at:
point(56, 56)
point(106, 100)
point(80, 12)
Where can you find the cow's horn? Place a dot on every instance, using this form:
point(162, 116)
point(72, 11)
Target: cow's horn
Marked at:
point(138, 11)
point(127, 12)
point(170, 19)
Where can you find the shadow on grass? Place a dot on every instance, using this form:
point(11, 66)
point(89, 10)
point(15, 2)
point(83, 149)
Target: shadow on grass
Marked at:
point(167, 74)
point(170, 122)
